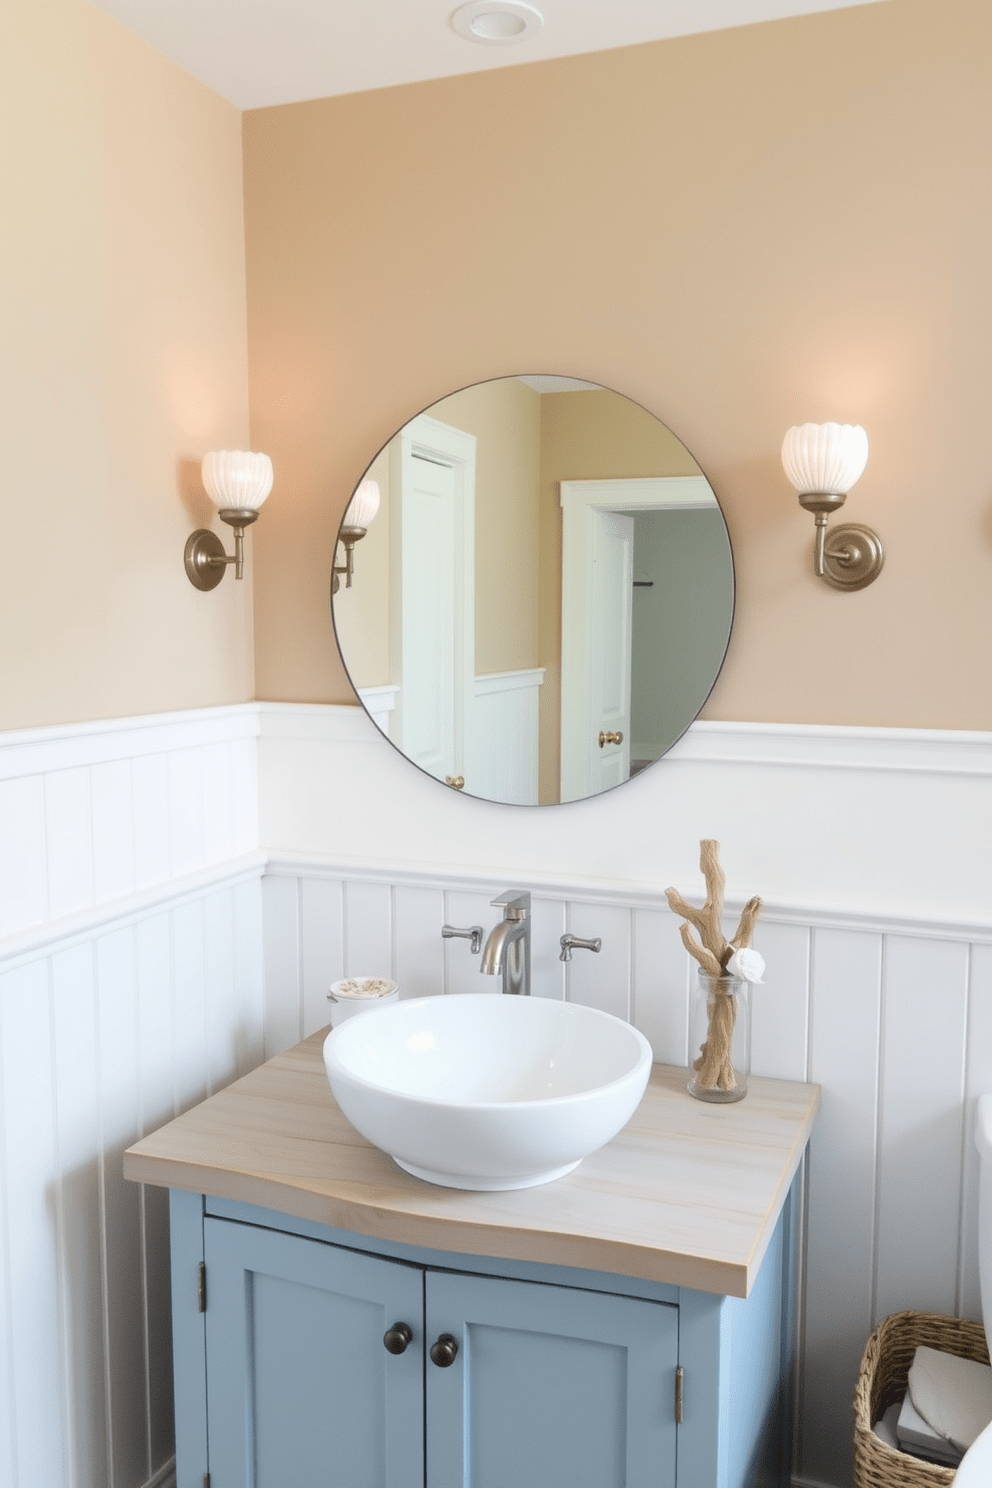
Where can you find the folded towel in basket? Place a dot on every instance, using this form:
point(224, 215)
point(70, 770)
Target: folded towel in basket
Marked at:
point(954, 1396)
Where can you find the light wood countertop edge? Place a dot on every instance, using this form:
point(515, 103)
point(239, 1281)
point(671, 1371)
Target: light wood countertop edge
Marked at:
point(379, 1201)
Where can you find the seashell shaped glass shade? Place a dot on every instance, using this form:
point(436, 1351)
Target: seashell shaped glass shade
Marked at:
point(825, 458)
point(363, 505)
point(237, 480)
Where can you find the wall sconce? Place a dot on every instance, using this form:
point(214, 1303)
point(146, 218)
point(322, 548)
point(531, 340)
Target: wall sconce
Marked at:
point(823, 461)
point(360, 513)
point(238, 481)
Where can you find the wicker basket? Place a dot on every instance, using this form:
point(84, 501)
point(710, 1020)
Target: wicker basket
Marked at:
point(882, 1380)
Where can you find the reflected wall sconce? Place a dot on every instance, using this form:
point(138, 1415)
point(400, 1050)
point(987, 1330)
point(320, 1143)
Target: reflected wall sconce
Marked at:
point(238, 481)
point(823, 461)
point(360, 513)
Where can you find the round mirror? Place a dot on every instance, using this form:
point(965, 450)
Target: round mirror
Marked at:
point(542, 601)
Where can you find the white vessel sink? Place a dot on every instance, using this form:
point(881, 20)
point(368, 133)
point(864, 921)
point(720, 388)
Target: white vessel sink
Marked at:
point(483, 1091)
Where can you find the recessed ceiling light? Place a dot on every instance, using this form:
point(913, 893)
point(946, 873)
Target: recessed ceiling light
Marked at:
point(495, 22)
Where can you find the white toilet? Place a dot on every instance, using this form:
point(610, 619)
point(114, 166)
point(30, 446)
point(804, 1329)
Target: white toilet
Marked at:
point(976, 1465)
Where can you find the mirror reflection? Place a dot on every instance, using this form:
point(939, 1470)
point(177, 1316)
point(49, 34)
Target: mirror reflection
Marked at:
point(544, 598)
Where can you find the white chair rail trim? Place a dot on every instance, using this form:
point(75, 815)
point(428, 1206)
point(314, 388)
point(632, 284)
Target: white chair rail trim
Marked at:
point(838, 747)
point(54, 935)
point(64, 746)
point(282, 864)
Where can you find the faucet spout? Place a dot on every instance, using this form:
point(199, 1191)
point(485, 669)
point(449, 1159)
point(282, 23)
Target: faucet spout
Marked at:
point(503, 935)
point(507, 950)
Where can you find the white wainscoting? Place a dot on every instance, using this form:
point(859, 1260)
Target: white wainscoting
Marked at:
point(870, 847)
point(130, 987)
point(133, 980)
point(501, 748)
point(103, 1038)
point(895, 1023)
point(892, 822)
point(92, 813)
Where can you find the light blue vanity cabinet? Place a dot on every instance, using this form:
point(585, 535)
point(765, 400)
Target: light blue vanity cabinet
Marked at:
point(559, 1376)
point(630, 1325)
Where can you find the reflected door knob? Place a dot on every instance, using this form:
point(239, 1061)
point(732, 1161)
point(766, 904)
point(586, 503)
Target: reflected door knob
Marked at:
point(397, 1337)
point(457, 782)
point(444, 1351)
point(610, 738)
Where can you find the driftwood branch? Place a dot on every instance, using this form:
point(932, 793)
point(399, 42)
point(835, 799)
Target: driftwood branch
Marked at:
point(745, 928)
point(709, 863)
point(706, 959)
point(714, 1067)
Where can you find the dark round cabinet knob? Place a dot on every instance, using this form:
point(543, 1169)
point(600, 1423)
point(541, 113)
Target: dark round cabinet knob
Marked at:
point(397, 1337)
point(444, 1351)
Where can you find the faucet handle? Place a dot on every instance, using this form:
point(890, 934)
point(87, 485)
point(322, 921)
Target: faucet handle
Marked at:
point(473, 934)
point(569, 943)
point(516, 902)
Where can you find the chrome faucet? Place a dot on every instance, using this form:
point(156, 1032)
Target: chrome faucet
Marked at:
point(507, 951)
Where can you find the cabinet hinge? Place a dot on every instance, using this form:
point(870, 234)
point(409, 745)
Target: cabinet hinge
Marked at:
point(201, 1302)
point(679, 1383)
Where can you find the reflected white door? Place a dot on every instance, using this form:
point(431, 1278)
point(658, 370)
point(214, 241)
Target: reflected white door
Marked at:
point(597, 608)
point(596, 616)
point(428, 617)
point(611, 605)
point(432, 636)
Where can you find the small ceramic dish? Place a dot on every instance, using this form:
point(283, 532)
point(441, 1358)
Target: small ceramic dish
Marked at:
point(359, 994)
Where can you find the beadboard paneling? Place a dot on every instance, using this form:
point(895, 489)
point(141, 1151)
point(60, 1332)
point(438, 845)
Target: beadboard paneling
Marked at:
point(35, 1309)
point(91, 813)
point(100, 1040)
point(23, 874)
point(130, 986)
point(548, 974)
point(838, 1310)
point(132, 973)
point(418, 956)
point(895, 1026)
point(978, 1080)
point(600, 979)
point(921, 1123)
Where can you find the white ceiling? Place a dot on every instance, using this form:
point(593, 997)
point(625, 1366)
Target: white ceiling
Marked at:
point(260, 52)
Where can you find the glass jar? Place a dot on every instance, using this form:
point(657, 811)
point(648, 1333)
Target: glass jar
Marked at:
point(719, 1038)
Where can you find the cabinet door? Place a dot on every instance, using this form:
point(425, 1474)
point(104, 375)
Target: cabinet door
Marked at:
point(550, 1385)
point(301, 1390)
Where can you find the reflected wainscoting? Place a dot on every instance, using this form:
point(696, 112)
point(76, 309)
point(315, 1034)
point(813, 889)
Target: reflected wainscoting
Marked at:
point(501, 751)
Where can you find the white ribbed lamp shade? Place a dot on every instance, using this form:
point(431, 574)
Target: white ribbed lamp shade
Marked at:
point(363, 505)
point(825, 458)
point(237, 479)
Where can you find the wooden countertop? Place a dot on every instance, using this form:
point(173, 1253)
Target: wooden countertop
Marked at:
point(688, 1193)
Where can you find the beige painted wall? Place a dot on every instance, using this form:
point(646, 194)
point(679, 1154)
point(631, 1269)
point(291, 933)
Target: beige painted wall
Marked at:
point(123, 359)
point(361, 609)
point(505, 418)
point(740, 231)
